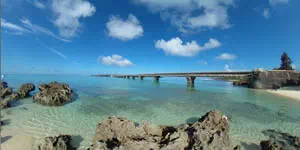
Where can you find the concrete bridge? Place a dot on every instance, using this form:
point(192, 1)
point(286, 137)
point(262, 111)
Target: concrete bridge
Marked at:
point(190, 76)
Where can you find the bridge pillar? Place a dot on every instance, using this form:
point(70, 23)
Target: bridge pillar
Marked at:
point(127, 77)
point(142, 77)
point(133, 77)
point(156, 78)
point(191, 81)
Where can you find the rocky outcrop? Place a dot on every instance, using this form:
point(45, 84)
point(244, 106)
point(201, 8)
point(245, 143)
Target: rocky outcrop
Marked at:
point(8, 96)
point(5, 90)
point(280, 141)
point(61, 142)
point(210, 132)
point(53, 94)
point(6, 102)
point(25, 89)
point(273, 79)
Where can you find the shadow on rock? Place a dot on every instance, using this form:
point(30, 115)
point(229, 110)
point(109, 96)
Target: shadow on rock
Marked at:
point(76, 140)
point(5, 122)
point(279, 141)
point(192, 120)
point(4, 139)
point(250, 146)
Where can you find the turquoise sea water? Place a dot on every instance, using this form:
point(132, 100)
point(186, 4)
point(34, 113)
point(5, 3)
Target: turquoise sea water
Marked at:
point(168, 102)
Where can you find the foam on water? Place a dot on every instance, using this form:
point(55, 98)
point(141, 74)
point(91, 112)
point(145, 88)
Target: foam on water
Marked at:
point(169, 103)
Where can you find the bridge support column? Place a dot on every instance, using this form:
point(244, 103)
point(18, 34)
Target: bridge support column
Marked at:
point(190, 81)
point(156, 78)
point(133, 77)
point(142, 77)
point(127, 77)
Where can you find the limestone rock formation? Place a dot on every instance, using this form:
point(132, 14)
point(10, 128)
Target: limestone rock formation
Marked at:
point(8, 96)
point(280, 141)
point(273, 79)
point(53, 94)
point(5, 90)
point(25, 89)
point(61, 142)
point(210, 132)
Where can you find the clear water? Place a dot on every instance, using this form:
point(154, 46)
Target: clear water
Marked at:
point(169, 103)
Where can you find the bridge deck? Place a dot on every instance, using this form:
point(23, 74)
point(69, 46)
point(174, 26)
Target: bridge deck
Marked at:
point(184, 74)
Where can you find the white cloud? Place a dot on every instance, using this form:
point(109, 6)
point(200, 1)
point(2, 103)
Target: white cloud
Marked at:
point(13, 27)
point(275, 2)
point(124, 29)
point(191, 15)
point(68, 13)
point(115, 60)
point(227, 68)
point(40, 30)
point(39, 4)
point(226, 56)
point(294, 66)
point(266, 13)
point(176, 47)
point(58, 53)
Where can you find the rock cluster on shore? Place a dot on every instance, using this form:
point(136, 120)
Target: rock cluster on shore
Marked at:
point(211, 132)
point(270, 79)
point(8, 96)
point(61, 142)
point(53, 94)
point(117, 133)
point(273, 79)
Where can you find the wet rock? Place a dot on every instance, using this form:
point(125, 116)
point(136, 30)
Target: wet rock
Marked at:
point(117, 133)
point(5, 90)
point(61, 142)
point(6, 102)
point(53, 94)
point(270, 145)
point(280, 141)
point(25, 89)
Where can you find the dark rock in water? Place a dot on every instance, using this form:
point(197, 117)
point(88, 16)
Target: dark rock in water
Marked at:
point(61, 142)
point(5, 90)
point(3, 85)
point(273, 79)
point(6, 95)
point(25, 89)
point(280, 141)
point(210, 132)
point(270, 145)
point(53, 94)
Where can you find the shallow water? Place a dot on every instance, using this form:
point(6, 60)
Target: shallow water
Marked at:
point(169, 102)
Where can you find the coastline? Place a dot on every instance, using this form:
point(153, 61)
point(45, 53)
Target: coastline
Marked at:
point(286, 93)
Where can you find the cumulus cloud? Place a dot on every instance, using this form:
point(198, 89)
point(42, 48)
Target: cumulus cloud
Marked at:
point(226, 56)
point(68, 14)
point(191, 15)
point(227, 68)
point(40, 30)
point(115, 60)
point(294, 66)
point(266, 13)
point(12, 27)
point(275, 2)
point(124, 29)
point(176, 47)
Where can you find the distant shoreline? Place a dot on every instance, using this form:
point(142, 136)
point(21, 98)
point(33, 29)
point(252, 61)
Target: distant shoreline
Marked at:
point(287, 93)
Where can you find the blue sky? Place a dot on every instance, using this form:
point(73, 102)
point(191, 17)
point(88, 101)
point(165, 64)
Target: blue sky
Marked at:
point(144, 36)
